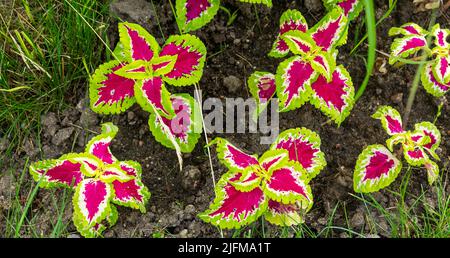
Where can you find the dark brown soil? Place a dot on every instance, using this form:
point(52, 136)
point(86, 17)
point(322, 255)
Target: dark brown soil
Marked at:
point(239, 50)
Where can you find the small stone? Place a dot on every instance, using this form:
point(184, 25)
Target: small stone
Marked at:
point(109, 234)
point(73, 236)
point(183, 233)
point(62, 135)
point(232, 83)
point(357, 220)
point(313, 5)
point(88, 118)
point(378, 91)
point(191, 178)
point(372, 236)
point(131, 116)
point(189, 209)
point(49, 122)
point(138, 11)
point(397, 98)
point(4, 143)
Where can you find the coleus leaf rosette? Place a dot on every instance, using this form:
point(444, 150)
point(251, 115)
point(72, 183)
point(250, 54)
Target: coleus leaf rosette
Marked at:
point(435, 76)
point(274, 185)
point(193, 14)
point(99, 180)
point(142, 69)
point(312, 74)
point(377, 167)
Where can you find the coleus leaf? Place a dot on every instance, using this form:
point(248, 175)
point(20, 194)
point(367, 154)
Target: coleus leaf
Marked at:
point(291, 20)
point(232, 157)
point(113, 172)
point(431, 84)
point(232, 208)
point(132, 193)
point(151, 94)
point(191, 56)
point(303, 146)
point(415, 155)
point(331, 30)
point(429, 136)
point(249, 180)
point(136, 70)
point(441, 69)
point(99, 145)
point(440, 36)
point(164, 64)
point(273, 158)
point(300, 43)
point(390, 119)
point(132, 168)
point(262, 87)
point(194, 14)
point(91, 202)
point(351, 8)
point(408, 29)
point(184, 127)
point(294, 76)
point(284, 214)
point(324, 63)
point(375, 169)
point(336, 97)
point(58, 172)
point(110, 93)
point(406, 46)
point(432, 171)
point(396, 139)
point(137, 43)
point(266, 2)
point(287, 184)
point(89, 231)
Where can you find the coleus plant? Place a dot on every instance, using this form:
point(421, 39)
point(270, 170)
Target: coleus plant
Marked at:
point(274, 185)
point(312, 74)
point(435, 76)
point(377, 167)
point(139, 73)
point(194, 14)
point(100, 180)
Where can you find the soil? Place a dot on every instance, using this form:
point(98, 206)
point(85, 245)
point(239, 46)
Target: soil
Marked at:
point(238, 50)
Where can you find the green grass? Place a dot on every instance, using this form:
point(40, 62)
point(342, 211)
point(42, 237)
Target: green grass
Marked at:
point(46, 49)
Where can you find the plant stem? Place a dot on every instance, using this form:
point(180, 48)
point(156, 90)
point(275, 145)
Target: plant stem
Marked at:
point(372, 38)
point(415, 85)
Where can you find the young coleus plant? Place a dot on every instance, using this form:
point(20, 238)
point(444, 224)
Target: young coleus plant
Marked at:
point(312, 74)
point(194, 14)
point(435, 76)
point(274, 185)
point(377, 166)
point(351, 8)
point(99, 180)
point(138, 74)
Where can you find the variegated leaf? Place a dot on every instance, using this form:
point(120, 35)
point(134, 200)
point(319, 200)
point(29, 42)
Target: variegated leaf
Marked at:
point(390, 119)
point(441, 69)
point(58, 172)
point(113, 172)
point(330, 31)
point(99, 145)
point(288, 184)
point(303, 146)
point(132, 193)
point(429, 137)
point(110, 93)
point(431, 84)
point(351, 8)
point(137, 43)
point(232, 208)
point(406, 46)
point(415, 155)
point(91, 202)
point(184, 127)
point(191, 56)
point(194, 14)
point(266, 2)
point(151, 94)
point(285, 215)
point(232, 157)
point(291, 20)
point(334, 98)
point(300, 43)
point(408, 29)
point(293, 78)
point(440, 36)
point(432, 171)
point(324, 64)
point(375, 169)
point(262, 87)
